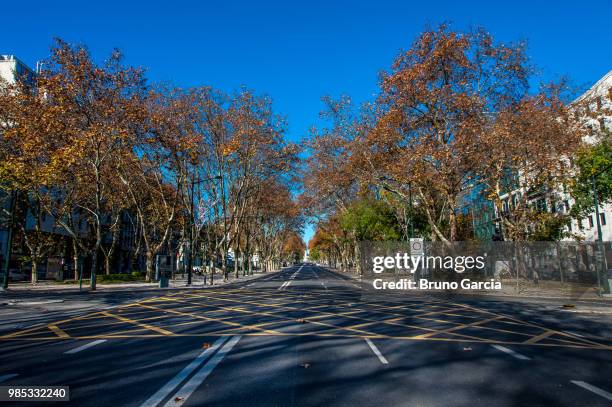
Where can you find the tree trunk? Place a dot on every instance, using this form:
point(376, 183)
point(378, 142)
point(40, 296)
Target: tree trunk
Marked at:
point(94, 267)
point(149, 266)
point(236, 264)
point(75, 259)
point(34, 271)
point(224, 266)
point(453, 226)
point(107, 265)
point(212, 271)
point(357, 259)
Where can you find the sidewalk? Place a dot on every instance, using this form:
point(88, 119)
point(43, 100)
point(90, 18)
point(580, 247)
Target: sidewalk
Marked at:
point(178, 283)
point(528, 292)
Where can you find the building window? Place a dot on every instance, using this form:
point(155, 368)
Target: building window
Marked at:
point(541, 205)
point(602, 218)
point(590, 221)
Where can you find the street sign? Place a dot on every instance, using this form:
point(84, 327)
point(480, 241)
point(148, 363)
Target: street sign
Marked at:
point(417, 246)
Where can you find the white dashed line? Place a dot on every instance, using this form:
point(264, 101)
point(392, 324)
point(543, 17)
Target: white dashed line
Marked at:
point(86, 346)
point(6, 377)
point(284, 285)
point(511, 352)
point(187, 390)
point(376, 351)
point(320, 281)
point(593, 389)
point(162, 393)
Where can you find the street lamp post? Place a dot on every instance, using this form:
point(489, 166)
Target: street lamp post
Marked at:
point(411, 210)
point(224, 257)
point(602, 247)
point(9, 242)
point(189, 250)
point(596, 202)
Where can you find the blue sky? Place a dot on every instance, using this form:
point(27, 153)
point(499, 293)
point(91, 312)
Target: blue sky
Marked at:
point(297, 52)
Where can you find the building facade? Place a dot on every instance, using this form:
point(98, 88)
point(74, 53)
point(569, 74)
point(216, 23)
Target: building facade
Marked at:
point(60, 263)
point(595, 109)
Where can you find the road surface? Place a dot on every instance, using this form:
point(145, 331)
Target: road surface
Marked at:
point(307, 336)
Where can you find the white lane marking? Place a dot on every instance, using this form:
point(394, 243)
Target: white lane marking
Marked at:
point(320, 281)
point(283, 285)
point(574, 333)
point(6, 377)
point(296, 273)
point(187, 390)
point(511, 352)
point(162, 393)
point(376, 351)
point(86, 346)
point(593, 389)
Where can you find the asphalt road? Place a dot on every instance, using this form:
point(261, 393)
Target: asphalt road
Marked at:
point(307, 336)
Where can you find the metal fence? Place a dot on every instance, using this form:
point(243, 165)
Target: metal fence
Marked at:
point(573, 269)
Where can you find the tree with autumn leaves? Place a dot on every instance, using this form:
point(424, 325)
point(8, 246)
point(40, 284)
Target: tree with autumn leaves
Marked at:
point(89, 147)
point(455, 114)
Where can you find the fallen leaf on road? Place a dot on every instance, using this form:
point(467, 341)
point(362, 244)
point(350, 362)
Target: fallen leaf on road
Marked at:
point(206, 345)
point(301, 320)
point(305, 365)
point(178, 398)
point(467, 348)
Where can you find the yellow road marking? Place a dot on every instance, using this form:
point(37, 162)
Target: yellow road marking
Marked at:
point(455, 328)
point(212, 319)
point(56, 330)
point(143, 325)
point(311, 303)
point(539, 337)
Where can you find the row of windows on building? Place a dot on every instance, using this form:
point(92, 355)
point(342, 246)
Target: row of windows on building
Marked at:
point(590, 219)
point(541, 205)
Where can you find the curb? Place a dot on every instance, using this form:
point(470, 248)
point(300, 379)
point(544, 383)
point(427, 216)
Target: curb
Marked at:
point(605, 299)
point(49, 290)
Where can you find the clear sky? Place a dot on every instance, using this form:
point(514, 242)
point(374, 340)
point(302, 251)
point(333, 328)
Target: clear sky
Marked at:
point(297, 52)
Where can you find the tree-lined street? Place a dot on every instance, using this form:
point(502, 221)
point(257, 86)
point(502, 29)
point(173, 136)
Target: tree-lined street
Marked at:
point(306, 204)
point(311, 336)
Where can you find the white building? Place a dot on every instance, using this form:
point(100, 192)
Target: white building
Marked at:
point(12, 68)
point(595, 105)
point(595, 109)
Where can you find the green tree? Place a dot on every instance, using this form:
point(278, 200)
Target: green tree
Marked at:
point(370, 219)
point(594, 169)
